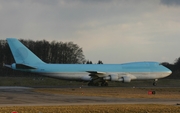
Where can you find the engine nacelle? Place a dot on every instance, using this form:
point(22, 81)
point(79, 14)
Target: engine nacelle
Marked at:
point(117, 78)
point(86, 78)
point(126, 79)
point(114, 78)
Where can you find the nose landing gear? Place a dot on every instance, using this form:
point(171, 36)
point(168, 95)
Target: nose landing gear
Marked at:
point(155, 82)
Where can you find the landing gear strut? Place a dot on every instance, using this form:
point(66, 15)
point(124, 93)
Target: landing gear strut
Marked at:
point(93, 83)
point(104, 83)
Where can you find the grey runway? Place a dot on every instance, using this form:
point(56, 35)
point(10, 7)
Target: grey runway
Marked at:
point(24, 96)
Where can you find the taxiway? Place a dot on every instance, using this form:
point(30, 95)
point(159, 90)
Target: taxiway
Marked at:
point(25, 96)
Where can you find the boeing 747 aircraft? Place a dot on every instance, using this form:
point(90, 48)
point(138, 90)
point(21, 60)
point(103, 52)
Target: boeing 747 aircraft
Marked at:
point(95, 74)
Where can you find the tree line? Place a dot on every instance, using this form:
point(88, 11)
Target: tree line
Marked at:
point(175, 68)
point(54, 52)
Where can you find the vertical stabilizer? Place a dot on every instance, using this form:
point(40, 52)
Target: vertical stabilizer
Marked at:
point(21, 54)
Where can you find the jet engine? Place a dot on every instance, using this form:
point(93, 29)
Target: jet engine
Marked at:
point(126, 79)
point(117, 78)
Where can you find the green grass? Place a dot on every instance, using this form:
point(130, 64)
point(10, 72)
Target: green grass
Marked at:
point(116, 92)
point(147, 108)
point(45, 81)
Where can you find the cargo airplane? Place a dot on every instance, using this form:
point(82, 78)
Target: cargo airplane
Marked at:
point(95, 74)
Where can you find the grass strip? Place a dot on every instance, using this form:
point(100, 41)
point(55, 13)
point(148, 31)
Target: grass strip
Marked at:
point(139, 108)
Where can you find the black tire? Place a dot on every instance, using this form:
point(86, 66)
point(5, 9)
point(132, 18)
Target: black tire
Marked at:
point(154, 84)
point(104, 84)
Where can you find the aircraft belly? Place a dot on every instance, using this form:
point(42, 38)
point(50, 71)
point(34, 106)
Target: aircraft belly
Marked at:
point(68, 76)
point(149, 75)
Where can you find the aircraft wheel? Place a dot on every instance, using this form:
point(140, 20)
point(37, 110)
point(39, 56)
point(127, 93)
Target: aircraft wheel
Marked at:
point(96, 84)
point(91, 83)
point(154, 84)
point(104, 84)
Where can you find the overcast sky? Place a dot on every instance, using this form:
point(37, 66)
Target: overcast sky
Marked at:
point(114, 31)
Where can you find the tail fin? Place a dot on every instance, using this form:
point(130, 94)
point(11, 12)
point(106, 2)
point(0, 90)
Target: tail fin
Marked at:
point(21, 54)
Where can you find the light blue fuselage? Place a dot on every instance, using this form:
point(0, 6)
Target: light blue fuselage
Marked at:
point(25, 60)
point(140, 70)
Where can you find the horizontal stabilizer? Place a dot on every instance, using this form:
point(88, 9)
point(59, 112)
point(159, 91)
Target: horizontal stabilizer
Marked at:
point(5, 65)
point(22, 66)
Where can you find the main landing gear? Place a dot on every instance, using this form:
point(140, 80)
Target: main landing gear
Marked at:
point(103, 83)
point(91, 83)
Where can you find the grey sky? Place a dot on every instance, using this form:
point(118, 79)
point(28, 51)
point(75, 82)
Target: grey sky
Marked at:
point(114, 31)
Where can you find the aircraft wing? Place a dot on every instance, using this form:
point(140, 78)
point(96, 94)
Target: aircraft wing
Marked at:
point(97, 74)
point(104, 74)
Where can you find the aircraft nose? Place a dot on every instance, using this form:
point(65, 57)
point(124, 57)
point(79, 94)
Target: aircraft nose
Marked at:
point(168, 71)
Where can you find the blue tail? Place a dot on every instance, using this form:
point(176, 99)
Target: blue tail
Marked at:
point(21, 54)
